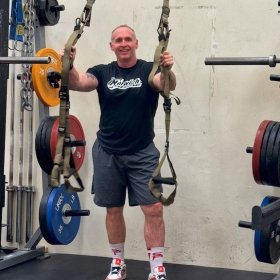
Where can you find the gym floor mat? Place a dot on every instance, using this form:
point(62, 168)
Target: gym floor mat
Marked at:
point(77, 267)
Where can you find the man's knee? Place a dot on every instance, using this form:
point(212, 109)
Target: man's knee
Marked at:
point(114, 212)
point(153, 210)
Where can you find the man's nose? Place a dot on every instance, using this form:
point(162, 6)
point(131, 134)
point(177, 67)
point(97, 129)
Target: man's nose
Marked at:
point(123, 42)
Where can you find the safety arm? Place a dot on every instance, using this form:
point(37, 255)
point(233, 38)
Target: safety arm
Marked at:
point(79, 81)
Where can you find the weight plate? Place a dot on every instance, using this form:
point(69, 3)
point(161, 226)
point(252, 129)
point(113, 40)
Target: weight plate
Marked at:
point(266, 241)
point(277, 157)
point(272, 156)
point(42, 216)
point(45, 13)
point(46, 139)
point(257, 151)
point(55, 227)
point(76, 134)
point(44, 90)
point(263, 152)
point(39, 136)
point(45, 144)
point(270, 175)
point(42, 144)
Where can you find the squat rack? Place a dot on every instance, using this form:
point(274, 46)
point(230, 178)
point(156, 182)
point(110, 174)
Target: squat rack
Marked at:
point(4, 76)
point(30, 251)
point(46, 15)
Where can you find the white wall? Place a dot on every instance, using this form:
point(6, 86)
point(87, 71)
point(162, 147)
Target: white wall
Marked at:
point(221, 109)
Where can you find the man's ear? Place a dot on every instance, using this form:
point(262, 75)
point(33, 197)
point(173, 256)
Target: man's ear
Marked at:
point(111, 46)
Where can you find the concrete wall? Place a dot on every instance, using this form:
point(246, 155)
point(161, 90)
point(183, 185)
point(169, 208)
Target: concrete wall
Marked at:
point(221, 109)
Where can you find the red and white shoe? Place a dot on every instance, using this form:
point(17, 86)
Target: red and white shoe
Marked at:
point(118, 270)
point(158, 274)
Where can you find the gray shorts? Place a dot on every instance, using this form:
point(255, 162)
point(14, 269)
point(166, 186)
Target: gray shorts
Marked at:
point(116, 174)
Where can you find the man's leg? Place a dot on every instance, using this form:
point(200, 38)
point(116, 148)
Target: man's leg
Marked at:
point(115, 225)
point(154, 230)
point(154, 233)
point(116, 232)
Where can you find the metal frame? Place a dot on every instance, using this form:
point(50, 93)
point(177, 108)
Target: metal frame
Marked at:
point(30, 251)
point(4, 76)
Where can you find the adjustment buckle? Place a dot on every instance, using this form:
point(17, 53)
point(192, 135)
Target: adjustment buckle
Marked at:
point(167, 105)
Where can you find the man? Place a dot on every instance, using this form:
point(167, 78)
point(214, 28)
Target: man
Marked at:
point(124, 154)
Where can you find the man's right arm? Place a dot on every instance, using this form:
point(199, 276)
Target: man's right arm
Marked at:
point(79, 81)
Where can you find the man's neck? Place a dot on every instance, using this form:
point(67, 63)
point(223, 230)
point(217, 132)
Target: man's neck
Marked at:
point(127, 63)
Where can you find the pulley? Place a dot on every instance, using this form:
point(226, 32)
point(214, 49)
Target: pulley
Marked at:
point(48, 11)
point(60, 215)
point(46, 89)
point(46, 139)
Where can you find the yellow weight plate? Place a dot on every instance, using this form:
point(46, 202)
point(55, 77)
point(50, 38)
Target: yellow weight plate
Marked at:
point(44, 90)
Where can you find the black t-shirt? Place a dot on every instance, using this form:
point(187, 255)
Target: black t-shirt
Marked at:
point(128, 105)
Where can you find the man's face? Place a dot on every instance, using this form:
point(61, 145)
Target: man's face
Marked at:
point(124, 43)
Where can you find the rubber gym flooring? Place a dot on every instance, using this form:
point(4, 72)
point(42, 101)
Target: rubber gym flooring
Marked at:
point(76, 267)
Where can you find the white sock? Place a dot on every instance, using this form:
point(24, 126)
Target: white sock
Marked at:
point(156, 257)
point(118, 250)
point(149, 255)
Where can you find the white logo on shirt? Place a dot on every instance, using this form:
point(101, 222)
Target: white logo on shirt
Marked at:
point(115, 83)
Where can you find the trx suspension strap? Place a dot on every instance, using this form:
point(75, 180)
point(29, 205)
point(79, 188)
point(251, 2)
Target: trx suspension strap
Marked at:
point(163, 36)
point(63, 146)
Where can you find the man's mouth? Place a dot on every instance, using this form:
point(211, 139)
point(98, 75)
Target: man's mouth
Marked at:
point(124, 51)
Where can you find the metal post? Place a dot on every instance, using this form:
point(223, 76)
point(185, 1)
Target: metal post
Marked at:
point(4, 75)
point(271, 60)
point(25, 60)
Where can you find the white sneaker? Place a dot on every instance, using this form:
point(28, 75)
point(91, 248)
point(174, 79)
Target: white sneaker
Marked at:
point(118, 270)
point(158, 274)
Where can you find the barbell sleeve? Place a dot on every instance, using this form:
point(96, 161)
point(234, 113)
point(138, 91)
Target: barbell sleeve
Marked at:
point(78, 143)
point(73, 213)
point(271, 60)
point(57, 8)
point(25, 60)
point(245, 224)
point(274, 77)
point(249, 150)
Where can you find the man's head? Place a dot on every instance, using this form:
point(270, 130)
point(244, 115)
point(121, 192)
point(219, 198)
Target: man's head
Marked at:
point(124, 44)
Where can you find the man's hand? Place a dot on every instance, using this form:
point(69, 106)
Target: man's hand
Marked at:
point(166, 60)
point(72, 53)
